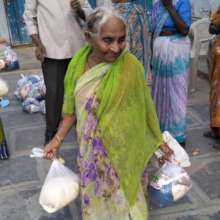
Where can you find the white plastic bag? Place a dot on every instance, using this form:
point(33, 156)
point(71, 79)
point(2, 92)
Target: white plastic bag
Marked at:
point(8, 57)
point(61, 186)
point(170, 183)
point(179, 156)
point(3, 88)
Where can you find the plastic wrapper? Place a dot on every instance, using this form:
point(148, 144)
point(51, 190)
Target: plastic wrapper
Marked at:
point(32, 105)
point(8, 57)
point(179, 156)
point(31, 92)
point(61, 187)
point(169, 184)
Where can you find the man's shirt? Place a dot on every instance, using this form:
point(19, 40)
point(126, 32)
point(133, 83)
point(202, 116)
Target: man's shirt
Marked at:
point(57, 26)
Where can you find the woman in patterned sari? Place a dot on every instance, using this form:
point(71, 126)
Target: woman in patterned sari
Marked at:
point(106, 94)
point(137, 29)
point(170, 22)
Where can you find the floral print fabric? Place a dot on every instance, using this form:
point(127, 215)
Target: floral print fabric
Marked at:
point(101, 195)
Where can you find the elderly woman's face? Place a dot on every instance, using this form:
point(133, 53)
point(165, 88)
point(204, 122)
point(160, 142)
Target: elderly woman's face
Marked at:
point(110, 41)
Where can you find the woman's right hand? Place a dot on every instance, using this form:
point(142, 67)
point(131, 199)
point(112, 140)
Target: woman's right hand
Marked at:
point(51, 150)
point(167, 3)
point(40, 52)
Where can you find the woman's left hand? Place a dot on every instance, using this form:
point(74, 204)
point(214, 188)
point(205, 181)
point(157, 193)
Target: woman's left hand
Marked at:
point(167, 3)
point(167, 152)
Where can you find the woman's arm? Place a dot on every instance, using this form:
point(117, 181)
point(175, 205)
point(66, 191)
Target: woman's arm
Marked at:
point(180, 24)
point(52, 148)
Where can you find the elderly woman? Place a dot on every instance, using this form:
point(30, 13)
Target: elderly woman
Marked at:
point(214, 78)
point(137, 30)
point(106, 96)
point(170, 22)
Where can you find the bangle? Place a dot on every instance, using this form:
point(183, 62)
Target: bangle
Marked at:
point(57, 137)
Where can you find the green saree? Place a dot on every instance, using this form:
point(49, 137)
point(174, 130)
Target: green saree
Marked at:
point(118, 133)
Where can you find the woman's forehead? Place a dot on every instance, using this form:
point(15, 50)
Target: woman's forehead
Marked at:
point(112, 24)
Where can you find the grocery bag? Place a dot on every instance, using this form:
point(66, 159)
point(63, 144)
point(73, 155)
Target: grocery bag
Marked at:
point(169, 184)
point(61, 187)
point(179, 156)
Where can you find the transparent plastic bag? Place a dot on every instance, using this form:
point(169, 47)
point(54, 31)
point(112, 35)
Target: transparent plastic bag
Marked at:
point(9, 57)
point(169, 184)
point(61, 187)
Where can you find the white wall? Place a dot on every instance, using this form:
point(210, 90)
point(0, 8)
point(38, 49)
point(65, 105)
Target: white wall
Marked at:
point(203, 8)
point(4, 32)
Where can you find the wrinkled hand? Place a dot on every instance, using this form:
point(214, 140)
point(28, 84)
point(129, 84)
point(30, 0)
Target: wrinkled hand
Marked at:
point(167, 153)
point(40, 52)
point(75, 5)
point(167, 3)
point(51, 150)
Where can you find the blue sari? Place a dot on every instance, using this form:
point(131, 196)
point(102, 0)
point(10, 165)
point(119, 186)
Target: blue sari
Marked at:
point(137, 30)
point(170, 69)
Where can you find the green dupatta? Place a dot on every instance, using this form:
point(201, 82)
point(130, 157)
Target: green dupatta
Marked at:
point(126, 116)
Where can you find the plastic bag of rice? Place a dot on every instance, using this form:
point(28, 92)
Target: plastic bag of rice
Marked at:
point(61, 187)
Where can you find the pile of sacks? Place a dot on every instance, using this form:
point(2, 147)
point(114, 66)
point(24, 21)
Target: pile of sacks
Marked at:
point(8, 58)
point(31, 92)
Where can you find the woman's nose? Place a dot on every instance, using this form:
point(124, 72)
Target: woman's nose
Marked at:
point(115, 48)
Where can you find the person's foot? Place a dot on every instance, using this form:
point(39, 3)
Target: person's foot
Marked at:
point(216, 146)
point(210, 134)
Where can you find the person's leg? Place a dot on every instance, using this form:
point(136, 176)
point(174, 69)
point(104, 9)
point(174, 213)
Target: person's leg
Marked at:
point(217, 145)
point(54, 72)
point(212, 133)
point(170, 85)
point(62, 68)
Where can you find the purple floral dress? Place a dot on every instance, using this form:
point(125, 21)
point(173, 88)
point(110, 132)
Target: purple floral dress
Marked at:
point(101, 195)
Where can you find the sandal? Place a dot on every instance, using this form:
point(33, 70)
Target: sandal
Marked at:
point(210, 134)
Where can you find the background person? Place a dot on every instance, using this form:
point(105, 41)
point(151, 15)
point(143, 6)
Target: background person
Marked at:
point(56, 33)
point(214, 79)
point(137, 29)
point(170, 22)
point(4, 154)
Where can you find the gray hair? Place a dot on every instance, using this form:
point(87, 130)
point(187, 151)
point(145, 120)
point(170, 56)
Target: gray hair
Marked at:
point(99, 16)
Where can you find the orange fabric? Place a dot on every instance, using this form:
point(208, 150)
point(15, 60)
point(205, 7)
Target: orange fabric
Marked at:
point(214, 78)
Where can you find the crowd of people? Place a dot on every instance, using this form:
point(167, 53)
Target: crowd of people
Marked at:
point(96, 65)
